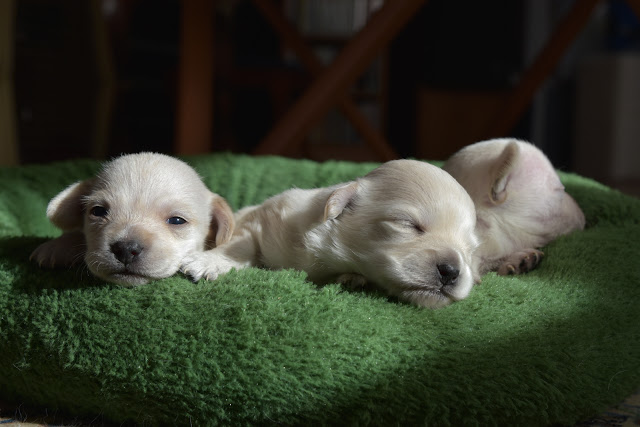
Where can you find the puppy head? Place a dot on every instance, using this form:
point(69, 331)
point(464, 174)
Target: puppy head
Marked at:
point(518, 194)
point(141, 215)
point(408, 227)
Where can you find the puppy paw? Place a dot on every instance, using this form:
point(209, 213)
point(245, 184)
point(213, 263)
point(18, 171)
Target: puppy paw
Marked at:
point(64, 251)
point(520, 262)
point(206, 265)
point(352, 281)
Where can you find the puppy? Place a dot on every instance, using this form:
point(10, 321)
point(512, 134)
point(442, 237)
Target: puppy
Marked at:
point(406, 227)
point(520, 202)
point(136, 220)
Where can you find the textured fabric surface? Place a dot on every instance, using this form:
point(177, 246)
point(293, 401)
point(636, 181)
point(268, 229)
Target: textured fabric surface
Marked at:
point(267, 347)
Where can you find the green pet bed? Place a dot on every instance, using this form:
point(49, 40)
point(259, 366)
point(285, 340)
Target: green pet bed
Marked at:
point(259, 347)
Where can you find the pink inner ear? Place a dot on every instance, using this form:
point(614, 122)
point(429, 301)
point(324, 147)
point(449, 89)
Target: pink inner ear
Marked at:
point(499, 190)
point(222, 220)
point(502, 170)
point(339, 199)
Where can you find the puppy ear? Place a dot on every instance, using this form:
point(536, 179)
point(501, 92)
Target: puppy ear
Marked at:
point(66, 209)
point(222, 223)
point(501, 171)
point(339, 199)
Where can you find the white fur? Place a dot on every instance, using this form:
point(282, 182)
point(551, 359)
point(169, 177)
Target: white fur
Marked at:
point(520, 202)
point(391, 228)
point(140, 193)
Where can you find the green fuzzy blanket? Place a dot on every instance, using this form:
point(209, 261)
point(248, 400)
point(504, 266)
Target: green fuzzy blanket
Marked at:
point(267, 347)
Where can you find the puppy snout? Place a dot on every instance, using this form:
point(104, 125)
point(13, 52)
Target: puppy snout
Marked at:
point(126, 251)
point(448, 274)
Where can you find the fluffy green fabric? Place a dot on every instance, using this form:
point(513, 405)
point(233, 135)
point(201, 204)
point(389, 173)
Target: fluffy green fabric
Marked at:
point(268, 347)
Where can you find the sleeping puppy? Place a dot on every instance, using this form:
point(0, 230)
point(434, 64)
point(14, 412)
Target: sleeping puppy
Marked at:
point(407, 227)
point(136, 220)
point(520, 202)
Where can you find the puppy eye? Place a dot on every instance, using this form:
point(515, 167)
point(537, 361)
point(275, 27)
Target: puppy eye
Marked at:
point(411, 225)
point(176, 220)
point(99, 211)
point(416, 227)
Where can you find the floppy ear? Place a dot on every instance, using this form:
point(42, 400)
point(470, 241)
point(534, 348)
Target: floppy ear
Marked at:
point(339, 199)
point(66, 209)
point(222, 223)
point(501, 171)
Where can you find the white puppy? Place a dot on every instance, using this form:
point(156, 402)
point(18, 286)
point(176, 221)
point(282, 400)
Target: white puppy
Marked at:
point(136, 220)
point(407, 227)
point(520, 202)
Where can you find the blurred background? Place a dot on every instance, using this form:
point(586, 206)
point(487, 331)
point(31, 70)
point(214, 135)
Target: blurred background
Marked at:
point(97, 78)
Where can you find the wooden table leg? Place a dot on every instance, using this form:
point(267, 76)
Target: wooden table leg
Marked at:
point(194, 116)
point(334, 82)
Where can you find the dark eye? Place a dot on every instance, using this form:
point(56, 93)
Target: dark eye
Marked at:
point(416, 227)
point(176, 220)
point(99, 211)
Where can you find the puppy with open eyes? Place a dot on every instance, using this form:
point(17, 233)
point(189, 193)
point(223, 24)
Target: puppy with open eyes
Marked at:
point(407, 227)
point(520, 202)
point(136, 220)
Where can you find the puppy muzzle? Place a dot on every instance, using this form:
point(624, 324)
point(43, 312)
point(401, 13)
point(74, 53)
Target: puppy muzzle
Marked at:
point(127, 252)
point(448, 274)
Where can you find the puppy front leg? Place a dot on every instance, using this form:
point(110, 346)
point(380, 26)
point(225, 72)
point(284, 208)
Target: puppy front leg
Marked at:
point(354, 282)
point(64, 251)
point(240, 252)
point(520, 262)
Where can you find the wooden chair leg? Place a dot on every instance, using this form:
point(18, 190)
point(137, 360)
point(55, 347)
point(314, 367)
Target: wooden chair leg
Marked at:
point(194, 127)
point(520, 98)
point(331, 85)
point(290, 35)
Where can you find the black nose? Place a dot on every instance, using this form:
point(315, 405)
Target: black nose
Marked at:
point(126, 251)
point(448, 274)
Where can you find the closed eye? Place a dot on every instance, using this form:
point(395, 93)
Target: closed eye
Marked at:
point(176, 220)
point(410, 224)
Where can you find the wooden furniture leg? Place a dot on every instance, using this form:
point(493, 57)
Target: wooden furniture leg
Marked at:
point(520, 98)
point(333, 83)
point(9, 152)
point(308, 58)
point(194, 125)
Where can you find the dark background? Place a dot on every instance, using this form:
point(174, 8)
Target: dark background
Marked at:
point(451, 47)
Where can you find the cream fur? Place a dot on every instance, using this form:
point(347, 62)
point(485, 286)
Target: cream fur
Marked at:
point(133, 241)
point(395, 228)
point(520, 202)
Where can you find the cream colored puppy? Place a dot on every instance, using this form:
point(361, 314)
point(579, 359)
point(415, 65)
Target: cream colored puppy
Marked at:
point(520, 202)
point(136, 220)
point(406, 227)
